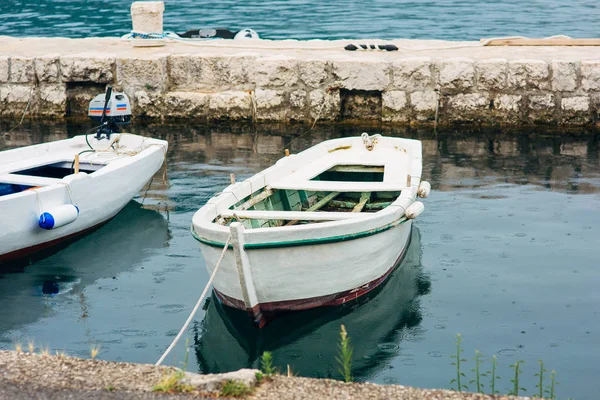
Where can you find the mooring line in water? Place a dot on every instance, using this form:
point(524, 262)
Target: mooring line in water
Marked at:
point(210, 281)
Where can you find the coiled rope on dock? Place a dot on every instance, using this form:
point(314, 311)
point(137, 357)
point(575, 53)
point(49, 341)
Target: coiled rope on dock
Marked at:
point(197, 306)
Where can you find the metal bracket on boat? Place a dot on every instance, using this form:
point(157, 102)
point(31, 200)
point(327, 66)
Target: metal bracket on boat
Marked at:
point(370, 141)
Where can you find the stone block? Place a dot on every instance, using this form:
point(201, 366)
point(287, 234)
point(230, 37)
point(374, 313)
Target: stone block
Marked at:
point(230, 105)
point(142, 73)
point(424, 104)
point(270, 105)
point(4, 68)
point(577, 103)
point(590, 75)
point(223, 73)
point(14, 99)
point(542, 109)
point(147, 16)
point(179, 69)
point(186, 104)
point(424, 101)
point(274, 72)
point(324, 104)
point(412, 74)
point(313, 73)
point(212, 383)
point(455, 73)
point(491, 74)
point(297, 105)
point(528, 74)
point(576, 110)
point(541, 102)
point(564, 75)
point(468, 102)
point(46, 68)
point(147, 104)
point(361, 75)
point(508, 102)
point(12, 93)
point(21, 70)
point(53, 99)
point(90, 68)
point(394, 106)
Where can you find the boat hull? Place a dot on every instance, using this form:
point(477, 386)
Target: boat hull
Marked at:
point(44, 249)
point(337, 271)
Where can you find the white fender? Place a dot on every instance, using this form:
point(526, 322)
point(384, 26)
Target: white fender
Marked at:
point(414, 210)
point(424, 189)
point(58, 216)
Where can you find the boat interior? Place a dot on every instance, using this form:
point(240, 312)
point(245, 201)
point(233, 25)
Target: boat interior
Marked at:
point(340, 192)
point(28, 177)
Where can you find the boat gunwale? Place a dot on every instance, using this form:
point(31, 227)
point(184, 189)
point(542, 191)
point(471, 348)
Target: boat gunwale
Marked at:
point(304, 242)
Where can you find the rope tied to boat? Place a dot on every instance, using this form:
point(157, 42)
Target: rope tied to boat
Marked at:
point(70, 192)
point(197, 306)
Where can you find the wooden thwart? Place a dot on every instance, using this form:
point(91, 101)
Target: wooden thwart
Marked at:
point(357, 168)
point(328, 186)
point(29, 180)
point(293, 215)
point(542, 42)
point(318, 205)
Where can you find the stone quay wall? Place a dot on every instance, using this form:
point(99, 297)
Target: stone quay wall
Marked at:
point(425, 82)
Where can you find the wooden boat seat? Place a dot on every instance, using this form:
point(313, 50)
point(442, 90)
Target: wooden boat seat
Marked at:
point(28, 180)
point(327, 186)
point(293, 215)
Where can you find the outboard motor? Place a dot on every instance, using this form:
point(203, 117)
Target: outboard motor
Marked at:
point(112, 110)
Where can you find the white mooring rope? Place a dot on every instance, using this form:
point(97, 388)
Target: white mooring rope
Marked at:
point(210, 281)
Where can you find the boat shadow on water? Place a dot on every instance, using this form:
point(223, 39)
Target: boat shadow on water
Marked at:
point(116, 247)
point(308, 341)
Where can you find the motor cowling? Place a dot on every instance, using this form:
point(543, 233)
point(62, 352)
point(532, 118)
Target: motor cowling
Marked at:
point(118, 108)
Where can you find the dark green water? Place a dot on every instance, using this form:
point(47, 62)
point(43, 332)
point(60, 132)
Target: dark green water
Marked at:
point(313, 19)
point(506, 253)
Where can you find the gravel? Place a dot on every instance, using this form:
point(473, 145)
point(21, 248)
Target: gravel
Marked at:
point(35, 376)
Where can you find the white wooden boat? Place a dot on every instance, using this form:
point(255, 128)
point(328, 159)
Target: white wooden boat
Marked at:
point(318, 228)
point(53, 192)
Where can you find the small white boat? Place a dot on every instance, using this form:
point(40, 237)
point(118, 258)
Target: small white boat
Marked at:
point(53, 192)
point(319, 228)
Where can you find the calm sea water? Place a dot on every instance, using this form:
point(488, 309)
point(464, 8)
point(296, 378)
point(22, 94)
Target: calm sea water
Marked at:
point(506, 254)
point(314, 19)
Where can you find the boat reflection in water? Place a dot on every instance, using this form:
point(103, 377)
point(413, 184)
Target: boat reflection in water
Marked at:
point(308, 340)
point(114, 248)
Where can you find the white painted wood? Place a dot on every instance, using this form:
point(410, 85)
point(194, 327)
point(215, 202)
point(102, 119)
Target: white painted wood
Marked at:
point(28, 180)
point(313, 270)
point(293, 215)
point(243, 265)
point(99, 195)
point(329, 186)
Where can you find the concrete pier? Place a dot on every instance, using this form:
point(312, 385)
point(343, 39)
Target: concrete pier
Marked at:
point(262, 80)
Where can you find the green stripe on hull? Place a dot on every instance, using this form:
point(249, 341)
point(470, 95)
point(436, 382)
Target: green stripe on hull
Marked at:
point(306, 242)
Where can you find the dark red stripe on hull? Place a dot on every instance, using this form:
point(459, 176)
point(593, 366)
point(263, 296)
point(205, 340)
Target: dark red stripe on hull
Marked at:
point(29, 251)
point(263, 313)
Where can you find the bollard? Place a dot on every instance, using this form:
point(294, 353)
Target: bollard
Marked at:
point(147, 16)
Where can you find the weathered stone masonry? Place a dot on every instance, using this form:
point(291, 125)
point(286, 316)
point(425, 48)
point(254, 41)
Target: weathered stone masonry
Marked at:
point(301, 85)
